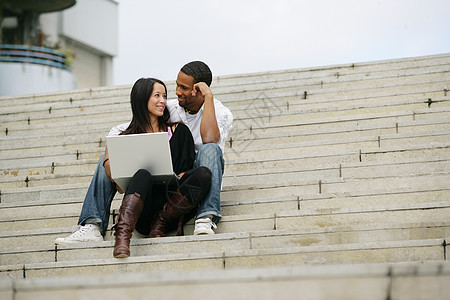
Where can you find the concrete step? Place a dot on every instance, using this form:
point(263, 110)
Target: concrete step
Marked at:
point(63, 106)
point(244, 133)
point(281, 171)
point(317, 93)
point(111, 105)
point(334, 141)
point(349, 123)
point(69, 97)
point(260, 240)
point(294, 150)
point(46, 217)
point(21, 228)
point(350, 72)
point(143, 246)
point(316, 96)
point(28, 216)
point(77, 151)
point(279, 118)
point(315, 180)
point(267, 106)
point(275, 103)
point(275, 116)
point(70, 122)
point(268, 92)
point(70, 207)
point(388, 215)
point(93, 114)
point(65, 172)
point(410, 280)
point(66, 142)
point(292, 187)
point(46, 160)
point(321, 177)
point(97, 116)
point(57, 168)
point(69, 111)
point(280, 106)
point(343, 71)
point(339, 130)
point(116, 104)
point(341, 173)
point(307, 131)
point(327, 172)
point(331, 202)
point(380, 252)
point(338, 188)
point(12, 160)
point(62, 127)
point(339, 161)
point(330, 78)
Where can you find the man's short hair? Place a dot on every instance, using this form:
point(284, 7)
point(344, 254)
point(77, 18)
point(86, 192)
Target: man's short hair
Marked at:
point(199, 70)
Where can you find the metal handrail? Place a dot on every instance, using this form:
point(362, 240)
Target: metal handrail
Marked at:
point(34, 55)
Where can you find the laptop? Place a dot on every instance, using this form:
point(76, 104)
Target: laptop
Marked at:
point(131, 152)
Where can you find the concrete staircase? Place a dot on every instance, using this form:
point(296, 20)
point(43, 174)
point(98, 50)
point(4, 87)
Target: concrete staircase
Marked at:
point(336, 186)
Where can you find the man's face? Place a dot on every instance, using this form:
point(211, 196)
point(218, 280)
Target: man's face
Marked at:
point(185, 84)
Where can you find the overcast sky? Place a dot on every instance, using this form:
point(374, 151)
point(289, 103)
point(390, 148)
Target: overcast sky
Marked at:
point(156, 38)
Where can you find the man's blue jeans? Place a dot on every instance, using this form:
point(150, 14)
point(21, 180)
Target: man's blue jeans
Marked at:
point(210, 156)
point(97, 203)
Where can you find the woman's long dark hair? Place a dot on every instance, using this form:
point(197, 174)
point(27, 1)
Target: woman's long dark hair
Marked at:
point(140, 94)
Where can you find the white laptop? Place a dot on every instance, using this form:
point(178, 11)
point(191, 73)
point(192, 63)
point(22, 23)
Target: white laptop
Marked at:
point(131, 152)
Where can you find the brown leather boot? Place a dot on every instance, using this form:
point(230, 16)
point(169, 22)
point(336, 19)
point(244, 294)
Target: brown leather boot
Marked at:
point(173, 212)
point(129, 212)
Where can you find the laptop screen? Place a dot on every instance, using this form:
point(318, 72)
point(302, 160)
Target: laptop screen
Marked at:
point(131, 152)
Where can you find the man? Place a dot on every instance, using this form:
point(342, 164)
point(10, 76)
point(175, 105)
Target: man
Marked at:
point(209, 121)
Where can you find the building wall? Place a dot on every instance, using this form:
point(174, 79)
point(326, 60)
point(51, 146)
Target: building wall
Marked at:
point(25, 79)
point(93, 23)
point(86, 66)
point(90, 30)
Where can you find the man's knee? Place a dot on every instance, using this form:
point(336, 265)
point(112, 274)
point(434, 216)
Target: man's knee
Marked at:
point(210, 151)
point(203, 175)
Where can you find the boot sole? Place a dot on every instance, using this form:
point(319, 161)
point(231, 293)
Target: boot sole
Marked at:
point(121, 255)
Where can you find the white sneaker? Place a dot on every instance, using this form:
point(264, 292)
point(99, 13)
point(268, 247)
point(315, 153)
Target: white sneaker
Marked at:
point(203, 226)
point(86, 233)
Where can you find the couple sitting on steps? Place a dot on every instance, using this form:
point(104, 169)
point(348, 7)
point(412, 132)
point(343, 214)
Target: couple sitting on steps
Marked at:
point(198, 126)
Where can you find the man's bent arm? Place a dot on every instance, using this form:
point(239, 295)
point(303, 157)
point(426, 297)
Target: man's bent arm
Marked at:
point(209, 130)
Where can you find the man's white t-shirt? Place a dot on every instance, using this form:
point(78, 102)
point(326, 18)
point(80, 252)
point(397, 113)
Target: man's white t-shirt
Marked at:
point(224, 119)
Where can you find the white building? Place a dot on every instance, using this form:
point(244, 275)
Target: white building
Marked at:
point(88, 30)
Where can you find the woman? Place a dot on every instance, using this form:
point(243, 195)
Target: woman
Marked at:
point(149, 208)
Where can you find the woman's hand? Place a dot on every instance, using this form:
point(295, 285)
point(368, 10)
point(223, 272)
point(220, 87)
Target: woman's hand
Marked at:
point(119, 189)
point(107, 167)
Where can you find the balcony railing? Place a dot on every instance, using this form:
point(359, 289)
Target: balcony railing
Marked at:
point(34, 55)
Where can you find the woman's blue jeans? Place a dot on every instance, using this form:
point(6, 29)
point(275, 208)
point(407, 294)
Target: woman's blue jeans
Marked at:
point(97, 203)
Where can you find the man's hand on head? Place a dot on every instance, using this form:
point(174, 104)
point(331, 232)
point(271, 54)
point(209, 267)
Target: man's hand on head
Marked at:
point(202, 89)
